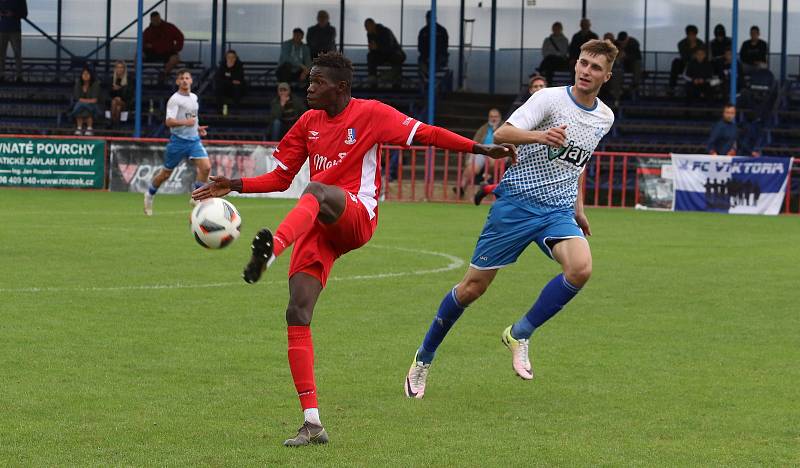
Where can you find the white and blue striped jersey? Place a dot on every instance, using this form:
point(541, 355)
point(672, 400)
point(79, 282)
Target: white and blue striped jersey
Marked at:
point(180, 107)
point(546, 177)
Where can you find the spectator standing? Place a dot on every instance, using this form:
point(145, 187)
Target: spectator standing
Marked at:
point(612, 90)
point(285, 109)
point(295, 61)
point(724, 133)
point(753, 51)
point(85, 94)
point(11, 14)
point(555, 52)
point(630, 56)
point(686, 48)
point(322, 36)
point(162, 43)
point(424, 44)
point(720, 43)
point(230, 83)
point(579, 38)
point(383, 49)
point(119, 93)
point(699, 75)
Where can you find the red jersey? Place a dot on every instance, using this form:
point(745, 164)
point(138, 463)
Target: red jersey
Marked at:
point(345, 150)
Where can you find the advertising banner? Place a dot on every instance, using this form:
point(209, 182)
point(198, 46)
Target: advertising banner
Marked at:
point(51, 162)
point(132, 166)
point(730, 184)
point(654, 178)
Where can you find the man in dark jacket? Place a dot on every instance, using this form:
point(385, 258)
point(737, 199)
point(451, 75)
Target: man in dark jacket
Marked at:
point(229, 81)
point(699, 75)
point(322, 36)
point(424, 44)
point(686, 48)
point(580, 38)
point(630, 56)
point(724, 133)
point(719, 44)
point(753, 51)
point(383, 49)
point(11, 14)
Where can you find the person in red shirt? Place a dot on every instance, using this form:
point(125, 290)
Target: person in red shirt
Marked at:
point(162, 42)
point(338, 211)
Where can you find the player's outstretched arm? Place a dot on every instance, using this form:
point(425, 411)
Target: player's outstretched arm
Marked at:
point(508, 133)
point(506, 150)
point(217, 186)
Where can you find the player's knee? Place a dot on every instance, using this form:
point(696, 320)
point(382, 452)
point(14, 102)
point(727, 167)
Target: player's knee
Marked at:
point(316, 189)
point(578, 274)
point(297, 315)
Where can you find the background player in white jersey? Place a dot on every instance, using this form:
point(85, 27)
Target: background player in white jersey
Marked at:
point(540, 200)
point(184, 139)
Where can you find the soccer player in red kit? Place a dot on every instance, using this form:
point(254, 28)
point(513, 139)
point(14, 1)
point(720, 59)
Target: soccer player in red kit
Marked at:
point(338, 211)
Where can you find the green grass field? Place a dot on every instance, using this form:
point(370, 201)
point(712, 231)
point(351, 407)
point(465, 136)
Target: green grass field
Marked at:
point(122, 342)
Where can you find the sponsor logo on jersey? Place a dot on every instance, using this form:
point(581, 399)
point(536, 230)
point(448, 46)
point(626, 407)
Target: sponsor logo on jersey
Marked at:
point(351, 137)
point(571, 153)
point(322, 162)
point(313, 135)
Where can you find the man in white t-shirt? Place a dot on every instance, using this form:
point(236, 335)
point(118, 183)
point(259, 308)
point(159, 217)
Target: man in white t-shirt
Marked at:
point(184, 140)
point(540, 200)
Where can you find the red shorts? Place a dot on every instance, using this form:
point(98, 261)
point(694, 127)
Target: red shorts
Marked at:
point(315, 251)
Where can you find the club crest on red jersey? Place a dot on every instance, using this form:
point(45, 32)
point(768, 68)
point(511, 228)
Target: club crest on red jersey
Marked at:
point(351, 137)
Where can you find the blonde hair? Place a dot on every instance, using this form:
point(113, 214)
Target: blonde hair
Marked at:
point(605, 48)
point(124, 80)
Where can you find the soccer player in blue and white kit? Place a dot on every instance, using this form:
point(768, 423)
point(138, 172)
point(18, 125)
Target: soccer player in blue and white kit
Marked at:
point(539, 200)
point(184, 140)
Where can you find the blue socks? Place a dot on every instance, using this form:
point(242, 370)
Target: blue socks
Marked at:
point(153, 189)
point(449, 311)
point(553, 297)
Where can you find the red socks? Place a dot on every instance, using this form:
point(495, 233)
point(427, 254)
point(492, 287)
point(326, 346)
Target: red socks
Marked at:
point(296, 223)
point(301, 363)
point(487, 189)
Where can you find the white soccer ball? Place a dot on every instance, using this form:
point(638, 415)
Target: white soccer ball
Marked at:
point(215, 223)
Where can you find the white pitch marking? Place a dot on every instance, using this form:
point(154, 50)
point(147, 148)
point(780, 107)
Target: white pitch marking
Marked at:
point(455, 263)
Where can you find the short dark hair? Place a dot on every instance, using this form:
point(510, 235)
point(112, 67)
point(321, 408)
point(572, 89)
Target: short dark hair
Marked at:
point(727, 105)
point(298, 30)
point(622, 35)
point(181, 71)
point(340, 67)
point(754, 28)
point(154, 14)
point(691, 28)
point(557, 23)
point(368, 21)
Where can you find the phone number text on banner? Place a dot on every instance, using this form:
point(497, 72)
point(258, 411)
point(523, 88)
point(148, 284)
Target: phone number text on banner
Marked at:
point(730, 184)
point(54, 163)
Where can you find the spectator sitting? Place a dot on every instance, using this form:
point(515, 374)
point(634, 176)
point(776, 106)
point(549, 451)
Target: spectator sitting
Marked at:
point(295, 61)
point(11, 12)
point(686, 48)
point(753, 51)
point(630, 56)
point(723, 71)
point(719, 44)
point(555, 52)
point(229, 81)
point(476, 168)
point(724, 133)
point(424, 43)
point(85, 95)
point(579, 38)
point(285, 109)
point(699, 77)
point(322, 36)
point(383, 49)
point(162, 43)
point(119, 93)
point(535, 83)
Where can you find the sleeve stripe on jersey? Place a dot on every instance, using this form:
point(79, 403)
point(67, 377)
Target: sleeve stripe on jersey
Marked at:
point(281, 165)
point(413, 132)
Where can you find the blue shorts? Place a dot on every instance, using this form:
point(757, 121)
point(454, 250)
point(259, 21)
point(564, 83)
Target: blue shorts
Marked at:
point(179, 148)
point(510, 228)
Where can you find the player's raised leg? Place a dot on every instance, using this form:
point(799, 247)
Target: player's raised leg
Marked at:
point(482, 191)
point(304, 290)
point(470, 288)
point(319, 201)
point(575, 258)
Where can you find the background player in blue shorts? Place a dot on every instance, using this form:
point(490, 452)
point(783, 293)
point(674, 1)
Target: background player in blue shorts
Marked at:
point(540, 200)
point(184, 139)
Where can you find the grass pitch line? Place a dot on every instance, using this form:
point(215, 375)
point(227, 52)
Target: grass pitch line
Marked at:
point(455, 263)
